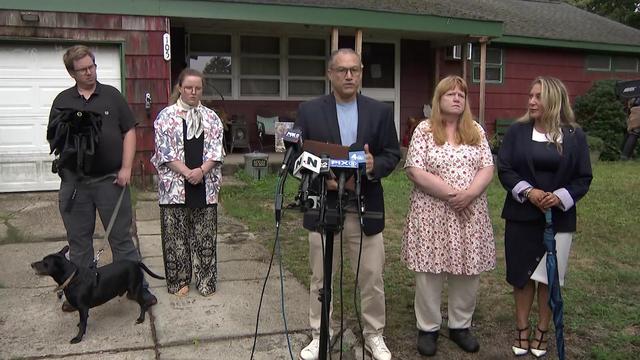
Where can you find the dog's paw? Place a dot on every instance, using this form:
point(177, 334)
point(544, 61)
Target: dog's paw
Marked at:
point(76, 340)
point(139, 320)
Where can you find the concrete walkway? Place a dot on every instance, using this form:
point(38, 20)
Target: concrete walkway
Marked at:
point(217, 327)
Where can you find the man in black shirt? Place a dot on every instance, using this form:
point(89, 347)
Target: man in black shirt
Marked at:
point(99, 185)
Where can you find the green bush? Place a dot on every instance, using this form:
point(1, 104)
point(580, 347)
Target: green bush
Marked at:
point(595, 143)
point(601, 114)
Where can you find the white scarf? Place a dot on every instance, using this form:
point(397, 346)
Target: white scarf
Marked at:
point(193, 119)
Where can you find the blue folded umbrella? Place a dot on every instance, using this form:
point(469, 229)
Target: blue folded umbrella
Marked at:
point(555, 297)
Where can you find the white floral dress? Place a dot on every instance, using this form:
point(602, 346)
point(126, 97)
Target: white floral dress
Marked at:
point(169, 140)
point(435, 238)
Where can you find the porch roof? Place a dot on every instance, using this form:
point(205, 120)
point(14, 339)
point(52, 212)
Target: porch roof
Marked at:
point(529, 22)
point(348, 13)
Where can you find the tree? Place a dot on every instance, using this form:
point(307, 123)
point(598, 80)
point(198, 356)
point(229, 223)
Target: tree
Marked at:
point(218, 65)
point(623, 11)
point(601, 114)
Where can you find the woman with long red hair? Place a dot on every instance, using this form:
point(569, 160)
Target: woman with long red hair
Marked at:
point(448, 234)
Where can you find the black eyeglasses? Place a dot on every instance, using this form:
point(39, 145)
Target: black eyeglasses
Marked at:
point(89, 68)
point(355, 71)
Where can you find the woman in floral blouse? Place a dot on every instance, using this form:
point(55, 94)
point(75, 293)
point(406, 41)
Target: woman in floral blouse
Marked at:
point(448, 234)
point(188, 156)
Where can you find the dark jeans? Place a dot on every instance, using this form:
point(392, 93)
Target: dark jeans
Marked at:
point(80, 219)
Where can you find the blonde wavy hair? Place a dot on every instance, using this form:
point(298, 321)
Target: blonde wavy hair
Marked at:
point(556, 108)
point(467, 132)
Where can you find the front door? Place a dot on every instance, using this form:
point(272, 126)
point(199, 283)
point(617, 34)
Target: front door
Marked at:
point(381, 76)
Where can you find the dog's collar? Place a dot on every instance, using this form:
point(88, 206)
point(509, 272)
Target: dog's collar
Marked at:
point(66, 282)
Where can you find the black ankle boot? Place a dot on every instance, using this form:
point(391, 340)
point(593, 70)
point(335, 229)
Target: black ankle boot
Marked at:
point(427, 342)
point(464, 339)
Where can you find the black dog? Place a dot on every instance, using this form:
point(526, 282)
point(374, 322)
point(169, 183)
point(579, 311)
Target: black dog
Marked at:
point(85, 288)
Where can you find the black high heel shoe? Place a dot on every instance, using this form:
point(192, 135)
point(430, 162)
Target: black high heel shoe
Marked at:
point(539, 351)
point(521, 350)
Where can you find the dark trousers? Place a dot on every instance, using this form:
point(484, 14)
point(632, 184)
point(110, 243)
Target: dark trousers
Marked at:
point(79, 219)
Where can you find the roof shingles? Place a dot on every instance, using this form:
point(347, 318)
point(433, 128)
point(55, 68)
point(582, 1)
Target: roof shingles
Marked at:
point(546, 19)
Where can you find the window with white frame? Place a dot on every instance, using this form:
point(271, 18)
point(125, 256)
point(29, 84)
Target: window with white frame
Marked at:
point(211, 55)
point(253, 66)
point(494, 67)
point(612, 63)
point(260, 66)
point(306, 67)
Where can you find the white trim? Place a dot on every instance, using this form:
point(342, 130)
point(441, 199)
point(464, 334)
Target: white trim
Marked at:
point(236, 63)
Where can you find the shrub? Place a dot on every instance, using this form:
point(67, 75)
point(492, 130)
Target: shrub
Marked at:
point(601, 114)
point(595, 143)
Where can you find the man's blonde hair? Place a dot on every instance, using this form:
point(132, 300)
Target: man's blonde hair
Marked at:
point(75, 53)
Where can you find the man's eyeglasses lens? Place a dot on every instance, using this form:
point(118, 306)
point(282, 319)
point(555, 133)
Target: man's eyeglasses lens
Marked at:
point(89, 68)
point(356, 70)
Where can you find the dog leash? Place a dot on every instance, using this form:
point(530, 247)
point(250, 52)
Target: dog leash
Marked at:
point(110, 226)
point(65, 283)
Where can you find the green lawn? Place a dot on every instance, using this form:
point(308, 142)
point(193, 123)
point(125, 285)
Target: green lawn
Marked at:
point(602, 315)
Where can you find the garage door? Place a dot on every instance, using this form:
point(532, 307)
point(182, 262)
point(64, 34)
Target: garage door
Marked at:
point(31, 75)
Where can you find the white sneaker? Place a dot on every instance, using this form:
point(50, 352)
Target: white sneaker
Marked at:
point(311, 351)
point(376, 347)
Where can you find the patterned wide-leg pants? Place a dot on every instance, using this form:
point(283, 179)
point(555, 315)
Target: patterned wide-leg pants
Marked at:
point(189, 246)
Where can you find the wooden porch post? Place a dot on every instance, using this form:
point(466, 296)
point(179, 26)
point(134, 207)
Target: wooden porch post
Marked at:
point(463, 53)
point(436, 75)
point(334, 39)
point(358, 48)
point(483, 70)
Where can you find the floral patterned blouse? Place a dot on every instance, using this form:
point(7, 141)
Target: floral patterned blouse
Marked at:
point(169, 139)
point(435, 238)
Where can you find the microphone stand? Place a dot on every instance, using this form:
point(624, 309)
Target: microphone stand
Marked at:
point(279, 198)
point(329, 229)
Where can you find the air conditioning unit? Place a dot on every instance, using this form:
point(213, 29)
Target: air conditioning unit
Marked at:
point(455, 52)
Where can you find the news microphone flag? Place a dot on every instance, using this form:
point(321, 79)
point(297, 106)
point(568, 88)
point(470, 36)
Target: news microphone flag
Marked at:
point(292, 136)
point(357, 156)
point(344, 164)
point(306, 162)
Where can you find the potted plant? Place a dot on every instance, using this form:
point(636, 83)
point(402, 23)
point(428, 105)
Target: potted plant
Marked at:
point(596, 145)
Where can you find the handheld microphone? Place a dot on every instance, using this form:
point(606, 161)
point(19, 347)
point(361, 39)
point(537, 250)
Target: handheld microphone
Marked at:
point(356, 153)
point(292, 141)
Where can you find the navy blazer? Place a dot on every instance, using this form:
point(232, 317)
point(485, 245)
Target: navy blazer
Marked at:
point(516, 164)
point(318, 120)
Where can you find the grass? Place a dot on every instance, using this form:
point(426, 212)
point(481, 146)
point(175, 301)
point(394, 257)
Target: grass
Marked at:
point(602, 315)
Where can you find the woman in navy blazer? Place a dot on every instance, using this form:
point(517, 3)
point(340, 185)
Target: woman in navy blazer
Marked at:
point(544, 164)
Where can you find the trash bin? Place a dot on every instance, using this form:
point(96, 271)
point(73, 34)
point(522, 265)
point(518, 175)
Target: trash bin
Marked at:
point(256, 164)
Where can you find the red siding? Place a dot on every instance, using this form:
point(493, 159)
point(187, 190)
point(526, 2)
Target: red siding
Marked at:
point(521, 66)
point(144, 70)
point(416, 81)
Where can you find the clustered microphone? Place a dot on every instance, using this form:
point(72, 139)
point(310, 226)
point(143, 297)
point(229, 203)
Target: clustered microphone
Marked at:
point(293, 142)
point(306, 167)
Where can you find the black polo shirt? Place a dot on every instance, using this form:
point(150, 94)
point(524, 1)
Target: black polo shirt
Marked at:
point(117, 119)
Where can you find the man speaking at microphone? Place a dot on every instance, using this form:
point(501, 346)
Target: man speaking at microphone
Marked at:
point(345, 117)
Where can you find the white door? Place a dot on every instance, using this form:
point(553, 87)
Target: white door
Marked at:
point(31, 75)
